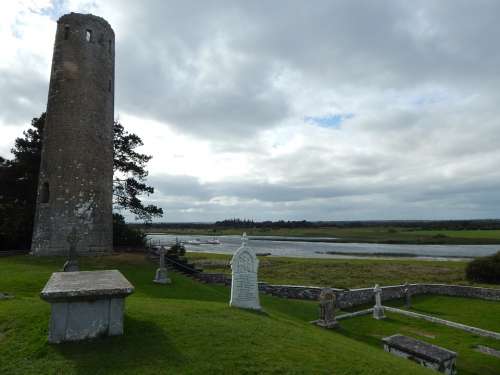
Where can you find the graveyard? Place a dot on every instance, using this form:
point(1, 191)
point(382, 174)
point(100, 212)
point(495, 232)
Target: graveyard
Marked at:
point(84, 292)
point(189, 327)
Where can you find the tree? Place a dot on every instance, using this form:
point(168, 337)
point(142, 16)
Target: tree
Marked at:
point(19, 178)
point(130, 175)
point(124, 235)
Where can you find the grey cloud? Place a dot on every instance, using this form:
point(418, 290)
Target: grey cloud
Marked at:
point(422, 79)
point(22, 97)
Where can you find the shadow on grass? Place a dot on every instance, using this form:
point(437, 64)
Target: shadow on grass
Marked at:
point(144, 344)
point(182, 288)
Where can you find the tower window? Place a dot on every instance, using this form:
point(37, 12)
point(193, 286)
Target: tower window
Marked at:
point(109, 85)
point(88, 35)
point(66, 32)
point(45, 193)
point(109, 46)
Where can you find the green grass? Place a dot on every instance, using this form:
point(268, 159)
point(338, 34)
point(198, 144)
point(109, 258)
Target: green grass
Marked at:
point(474, 312)
point(478, 313)
point(344, 273)
point(183, 328)
point(369, 235)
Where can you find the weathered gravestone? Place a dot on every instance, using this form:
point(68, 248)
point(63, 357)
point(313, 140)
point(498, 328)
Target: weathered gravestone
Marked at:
point(86, 304)
point(407, 294)
point(161, 276)
point(244, 286)
point(427, 355)
point(71, 264)
point(378, 309)
point(327, 301)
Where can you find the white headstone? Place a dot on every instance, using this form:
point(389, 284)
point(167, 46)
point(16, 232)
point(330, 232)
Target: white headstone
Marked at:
point(244, 286)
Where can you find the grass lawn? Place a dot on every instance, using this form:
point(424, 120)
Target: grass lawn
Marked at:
point(478, 313)
point(370, 234)
point(184, 328)
point(344, 273)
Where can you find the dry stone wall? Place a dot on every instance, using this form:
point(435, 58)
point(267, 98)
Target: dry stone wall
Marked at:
point(361, 296)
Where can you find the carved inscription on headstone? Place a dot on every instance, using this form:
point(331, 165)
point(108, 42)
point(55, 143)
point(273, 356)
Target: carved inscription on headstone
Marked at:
point(244, 285)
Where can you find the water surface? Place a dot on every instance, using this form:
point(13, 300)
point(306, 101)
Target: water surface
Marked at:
point(304, 249)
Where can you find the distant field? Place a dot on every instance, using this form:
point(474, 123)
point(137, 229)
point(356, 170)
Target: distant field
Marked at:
point(343, 273)
point(370, 235)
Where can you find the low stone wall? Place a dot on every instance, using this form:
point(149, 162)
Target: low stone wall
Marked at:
point(356, 297)
point(292, 291)
point(459, 291)
point(8, 253)
point(213, 278)
point(345, 297)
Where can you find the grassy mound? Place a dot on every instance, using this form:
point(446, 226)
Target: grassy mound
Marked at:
point(185, 328)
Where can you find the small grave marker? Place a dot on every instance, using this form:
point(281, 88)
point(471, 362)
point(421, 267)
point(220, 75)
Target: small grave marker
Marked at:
point(327, 301)
point(71, 264)
point(378, 309)
point(161, 276)
point(407, 293)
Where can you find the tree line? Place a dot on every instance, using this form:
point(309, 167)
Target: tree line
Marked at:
point(485, 224)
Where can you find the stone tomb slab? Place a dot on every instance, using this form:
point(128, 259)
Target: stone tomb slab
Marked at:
point(86, 304)
point(425, 354)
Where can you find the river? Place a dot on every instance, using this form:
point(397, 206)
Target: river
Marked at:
point(305, 249)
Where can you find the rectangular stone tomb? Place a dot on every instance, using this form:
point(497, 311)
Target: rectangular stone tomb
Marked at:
point(427, 355)
point(86, 304)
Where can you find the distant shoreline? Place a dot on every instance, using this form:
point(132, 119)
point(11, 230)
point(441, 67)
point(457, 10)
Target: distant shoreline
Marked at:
point(387, 237)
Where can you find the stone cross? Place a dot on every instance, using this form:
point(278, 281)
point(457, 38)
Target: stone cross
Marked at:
point(244, 285)
point(327, 301)
point(71, 264)
point(407, 293)
point(378, 309)
point(161, 276)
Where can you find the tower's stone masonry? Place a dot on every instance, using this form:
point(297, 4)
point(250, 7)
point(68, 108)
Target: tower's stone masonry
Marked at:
point(76, 172)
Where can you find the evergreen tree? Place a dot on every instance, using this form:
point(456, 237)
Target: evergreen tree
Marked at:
point(19, 180)
point(130, 175)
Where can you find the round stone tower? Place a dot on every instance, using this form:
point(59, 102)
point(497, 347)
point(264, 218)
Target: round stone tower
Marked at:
point(76, 173)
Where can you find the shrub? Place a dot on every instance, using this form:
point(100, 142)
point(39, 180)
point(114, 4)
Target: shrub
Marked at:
point(125, 236)
point(485, 269)
point(177, 249)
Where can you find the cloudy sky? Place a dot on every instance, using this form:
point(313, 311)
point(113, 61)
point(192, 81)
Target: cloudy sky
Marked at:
point(323, 110)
